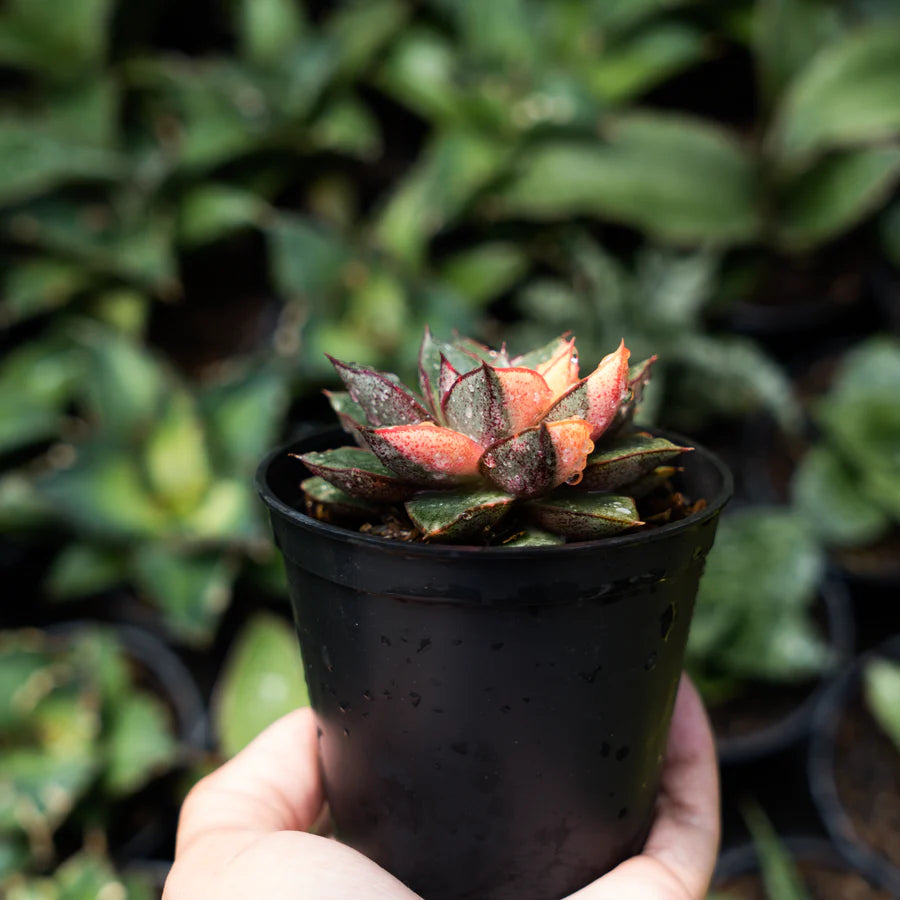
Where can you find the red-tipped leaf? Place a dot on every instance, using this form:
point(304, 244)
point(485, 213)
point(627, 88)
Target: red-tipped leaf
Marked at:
point(382, 398)
point(598, 397)
point(491, 404)
point(425, 454)
point(561, 370)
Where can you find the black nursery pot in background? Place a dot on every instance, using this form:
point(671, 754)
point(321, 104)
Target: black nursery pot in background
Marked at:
point(492, 721)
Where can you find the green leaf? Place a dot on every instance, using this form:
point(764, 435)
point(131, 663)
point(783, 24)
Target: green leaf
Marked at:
point(211, 211)
point(262, 680)
point(787, 34)
point(268, 29)
point(139, 743)
point(881, 684)
point(175, 455)
point(347, 126)
point(652, 172)
point(453, 169)
point(361, 29)
point(584, 517)
point(645, 60)
point(138, 250)
point(485, 271)
point(191, 590)
point(828, 494)
point(244, 416)
point(626, 459)
point(849, 95)
point(126, 384)
point(780, 875)
point(307, 262)
point(335, 502)
point(82, 569)
point(534, 537)
point(227, 512)
point(38, 286)
point(55, 37)
point(458, 515)
point(752, 619)
point(419, 72)
point(835, 195)
point(360, 473)
point(32, 163)
point(84, 876)
point(104, 494)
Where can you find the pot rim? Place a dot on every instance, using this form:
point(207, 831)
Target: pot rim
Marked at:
point(821, 770)
point(713, 507)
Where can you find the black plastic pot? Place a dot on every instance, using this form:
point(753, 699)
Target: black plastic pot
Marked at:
point(795, 725)
point(492, 721)
point(822, 772)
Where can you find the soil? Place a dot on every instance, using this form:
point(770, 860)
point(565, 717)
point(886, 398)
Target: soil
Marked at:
point(867, 771)
point(823, 884)
point(662, 505)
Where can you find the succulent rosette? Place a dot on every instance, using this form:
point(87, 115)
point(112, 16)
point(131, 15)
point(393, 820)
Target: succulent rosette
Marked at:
point(490, 434)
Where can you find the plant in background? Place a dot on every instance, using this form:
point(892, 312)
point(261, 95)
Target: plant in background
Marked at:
point(155, 490)
point(262, 679)
point(881, 688)
point(494, 445)
point(85, 876)
point(848, 484)
point(753, 621)
point(76, 735)
point(659, 307)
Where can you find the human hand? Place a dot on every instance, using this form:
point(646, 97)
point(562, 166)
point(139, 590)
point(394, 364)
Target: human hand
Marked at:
point(243, 829)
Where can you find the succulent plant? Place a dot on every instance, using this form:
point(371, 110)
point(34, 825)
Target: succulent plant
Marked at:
point(493, 440)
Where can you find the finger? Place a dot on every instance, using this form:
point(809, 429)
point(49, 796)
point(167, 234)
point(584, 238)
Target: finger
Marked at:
point(273, 784)
point(685, 835)
point(680, 853)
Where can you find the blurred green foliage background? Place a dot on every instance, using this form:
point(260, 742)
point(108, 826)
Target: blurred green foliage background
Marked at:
point(197, 201)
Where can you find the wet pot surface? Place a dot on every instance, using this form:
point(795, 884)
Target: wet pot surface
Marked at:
point(492, 723)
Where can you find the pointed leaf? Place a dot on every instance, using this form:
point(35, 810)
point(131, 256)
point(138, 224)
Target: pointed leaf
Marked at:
point(561, 370)
point(638, 379)
point(652, 171)
point(359, 473)
point(626, 459)
point(598, 397)
point(449, 376)
point(489, 404)
point(456, 515)
point(325, 501)
point(533, 358)
point(425, 454)
point(262, 680)
point(583, 517)
point(534, 537)
point(835, 194)
point(648, 483)
point(482, 351)
point(537, 459)
point(848, 95)
point(139, 743)
point(432, 354)
point(826, 491)
point(383, 399)
point(881, 684)
point(349, 412)
point(191, 590)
